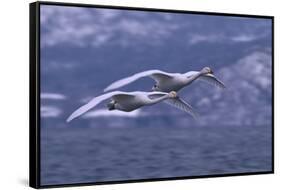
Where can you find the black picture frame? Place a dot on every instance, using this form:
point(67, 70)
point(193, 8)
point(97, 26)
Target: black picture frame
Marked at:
point(34, 91)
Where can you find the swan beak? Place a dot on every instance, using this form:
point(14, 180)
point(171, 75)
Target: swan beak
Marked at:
point(211, 72)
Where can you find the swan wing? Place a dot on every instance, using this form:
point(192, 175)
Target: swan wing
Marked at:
point(123, 97)
point(182, 105)
point(95, 101)
point(154, 74)
point(161, 76)
point(211, 79)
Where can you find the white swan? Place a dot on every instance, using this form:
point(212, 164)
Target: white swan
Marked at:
point(167, 82)
point(129, 101)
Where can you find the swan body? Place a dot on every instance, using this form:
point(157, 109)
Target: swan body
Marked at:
point(129, 101)
point(166, 82)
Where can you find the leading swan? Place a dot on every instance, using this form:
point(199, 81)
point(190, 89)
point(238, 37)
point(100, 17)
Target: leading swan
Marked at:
point(129, 101)
point(167, 82)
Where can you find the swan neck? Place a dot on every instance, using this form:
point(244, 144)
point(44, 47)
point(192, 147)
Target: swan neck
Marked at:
point(156, 100)
point(194, 77)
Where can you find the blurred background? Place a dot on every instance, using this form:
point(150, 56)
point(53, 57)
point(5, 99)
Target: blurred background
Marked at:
point(85, 49)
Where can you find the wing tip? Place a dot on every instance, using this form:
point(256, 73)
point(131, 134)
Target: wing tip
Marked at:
point(223, 86)
point(69, 119)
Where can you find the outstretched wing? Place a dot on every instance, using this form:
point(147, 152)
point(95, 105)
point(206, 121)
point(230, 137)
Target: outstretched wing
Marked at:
point(95, 101)
point(182, 105)
point(123, 97)
point(154, 74)
point(211, 79)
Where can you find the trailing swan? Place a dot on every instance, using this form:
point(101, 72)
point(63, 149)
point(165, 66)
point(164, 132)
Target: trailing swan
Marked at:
point(129, 101)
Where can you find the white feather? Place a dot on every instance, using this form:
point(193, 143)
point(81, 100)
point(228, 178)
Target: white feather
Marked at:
point(95, 101)
point(155, 74)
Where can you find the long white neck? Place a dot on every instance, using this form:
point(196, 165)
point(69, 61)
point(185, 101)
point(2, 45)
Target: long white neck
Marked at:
point(192, 78)
point(156, 100)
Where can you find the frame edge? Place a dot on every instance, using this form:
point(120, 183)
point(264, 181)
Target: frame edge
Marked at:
point(34, 172)
point(34, 107)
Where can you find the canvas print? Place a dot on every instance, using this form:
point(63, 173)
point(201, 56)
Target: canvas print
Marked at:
point(140, 95)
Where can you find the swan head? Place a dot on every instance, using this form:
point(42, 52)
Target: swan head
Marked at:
point(172, 94)
point(155, 88)
point(207, 70)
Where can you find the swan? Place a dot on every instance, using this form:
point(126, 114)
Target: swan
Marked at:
point(167, 82)
point(129, 101)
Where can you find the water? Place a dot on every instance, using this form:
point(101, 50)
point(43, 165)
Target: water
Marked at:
point(84, 154)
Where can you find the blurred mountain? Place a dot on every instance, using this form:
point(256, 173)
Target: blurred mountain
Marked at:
point(247, 98)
